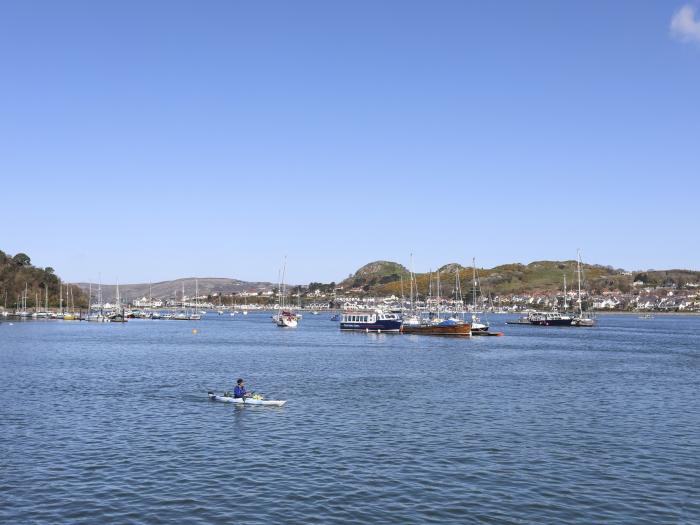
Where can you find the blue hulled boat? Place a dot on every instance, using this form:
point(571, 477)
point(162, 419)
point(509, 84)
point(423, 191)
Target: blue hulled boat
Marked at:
point(370, 321)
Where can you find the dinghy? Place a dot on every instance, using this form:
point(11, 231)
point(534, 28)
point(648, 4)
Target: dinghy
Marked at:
point(246, 401)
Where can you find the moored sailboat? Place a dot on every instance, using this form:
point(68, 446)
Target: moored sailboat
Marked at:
point(583, 319)
point(286, 317)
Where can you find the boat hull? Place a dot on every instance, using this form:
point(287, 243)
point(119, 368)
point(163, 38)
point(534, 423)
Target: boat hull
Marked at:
point(552, 322)
point(386, 325)
point(247, 401)
point(456, 330)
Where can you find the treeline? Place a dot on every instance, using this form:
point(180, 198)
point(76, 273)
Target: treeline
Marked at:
point(17, 274)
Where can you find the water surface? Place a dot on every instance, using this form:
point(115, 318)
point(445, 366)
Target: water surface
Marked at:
point(109, 423)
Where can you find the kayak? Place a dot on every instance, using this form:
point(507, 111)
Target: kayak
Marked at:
point(247, 401)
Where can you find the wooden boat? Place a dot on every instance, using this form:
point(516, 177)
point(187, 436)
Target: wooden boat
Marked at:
point(454, 330)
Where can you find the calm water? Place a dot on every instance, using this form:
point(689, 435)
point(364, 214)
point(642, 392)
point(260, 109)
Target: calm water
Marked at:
point(103, 423)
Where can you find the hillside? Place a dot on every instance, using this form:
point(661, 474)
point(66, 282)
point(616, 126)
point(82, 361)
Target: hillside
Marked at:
point(375, 274)
point(172, 289)
point(537, 276)
point(17, 272)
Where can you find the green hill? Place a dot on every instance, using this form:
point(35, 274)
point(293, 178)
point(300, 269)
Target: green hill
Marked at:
point(537, 276)
point(17, 272)
point(375, 274)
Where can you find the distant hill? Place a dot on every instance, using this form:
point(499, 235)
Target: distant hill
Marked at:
point(375, 274)
point(384, 278)
point(172, 289)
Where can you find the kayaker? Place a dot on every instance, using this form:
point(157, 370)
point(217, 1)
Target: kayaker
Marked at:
point(240, 391)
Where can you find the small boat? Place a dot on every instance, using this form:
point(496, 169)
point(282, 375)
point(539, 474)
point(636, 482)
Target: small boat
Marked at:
point(550, 319)
point(286, 318)
point(520, 320)
point(478, 326)
point(447, 327)
point(583, 318)
point(336, 317)
point(246, 401)
point(370, 321)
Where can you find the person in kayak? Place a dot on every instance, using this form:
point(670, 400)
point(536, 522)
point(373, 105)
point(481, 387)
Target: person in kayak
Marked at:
point(240, 391)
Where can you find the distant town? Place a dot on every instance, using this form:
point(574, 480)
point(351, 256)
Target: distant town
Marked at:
point(511, 288)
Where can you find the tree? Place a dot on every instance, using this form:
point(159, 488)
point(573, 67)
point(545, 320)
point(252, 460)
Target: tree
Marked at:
point(22, 259)
point(49, 270)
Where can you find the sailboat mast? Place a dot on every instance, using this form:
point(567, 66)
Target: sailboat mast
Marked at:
point(438, 292)
point(474, 283)
point(119, 302)
point(284, 286)
point(411, 279)
point(565, 305)
point(578, 268)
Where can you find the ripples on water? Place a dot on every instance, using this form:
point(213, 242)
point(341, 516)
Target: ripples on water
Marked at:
point(111, 424)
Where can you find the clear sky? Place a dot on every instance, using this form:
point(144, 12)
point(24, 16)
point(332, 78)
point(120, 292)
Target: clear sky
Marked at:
point(155, 140)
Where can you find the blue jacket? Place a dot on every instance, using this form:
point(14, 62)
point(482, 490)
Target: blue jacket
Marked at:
point(239, 391)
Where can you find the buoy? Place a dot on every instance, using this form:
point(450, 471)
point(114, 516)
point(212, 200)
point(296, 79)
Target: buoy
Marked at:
point(195, 331)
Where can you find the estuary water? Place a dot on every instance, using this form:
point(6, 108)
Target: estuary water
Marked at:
point(110, 423)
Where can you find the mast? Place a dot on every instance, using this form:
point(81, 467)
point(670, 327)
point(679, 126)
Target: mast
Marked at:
point(430, 289)
point(119, 302)
point(60, 292)
point(578, 271)
point(89, 299)
point(284, 286)
point(411, 279)
point(46, 299)
point(474, 284)
point(438, 293)
point(565, 305)
point(458, 294)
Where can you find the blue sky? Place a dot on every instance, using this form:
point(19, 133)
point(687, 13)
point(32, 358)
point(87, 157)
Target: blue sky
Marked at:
point(154, 140)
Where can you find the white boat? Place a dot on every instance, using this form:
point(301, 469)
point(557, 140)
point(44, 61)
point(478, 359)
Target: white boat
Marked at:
point(246, 401)
point(583, 318)
point(286, 317)
point(477, 325)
